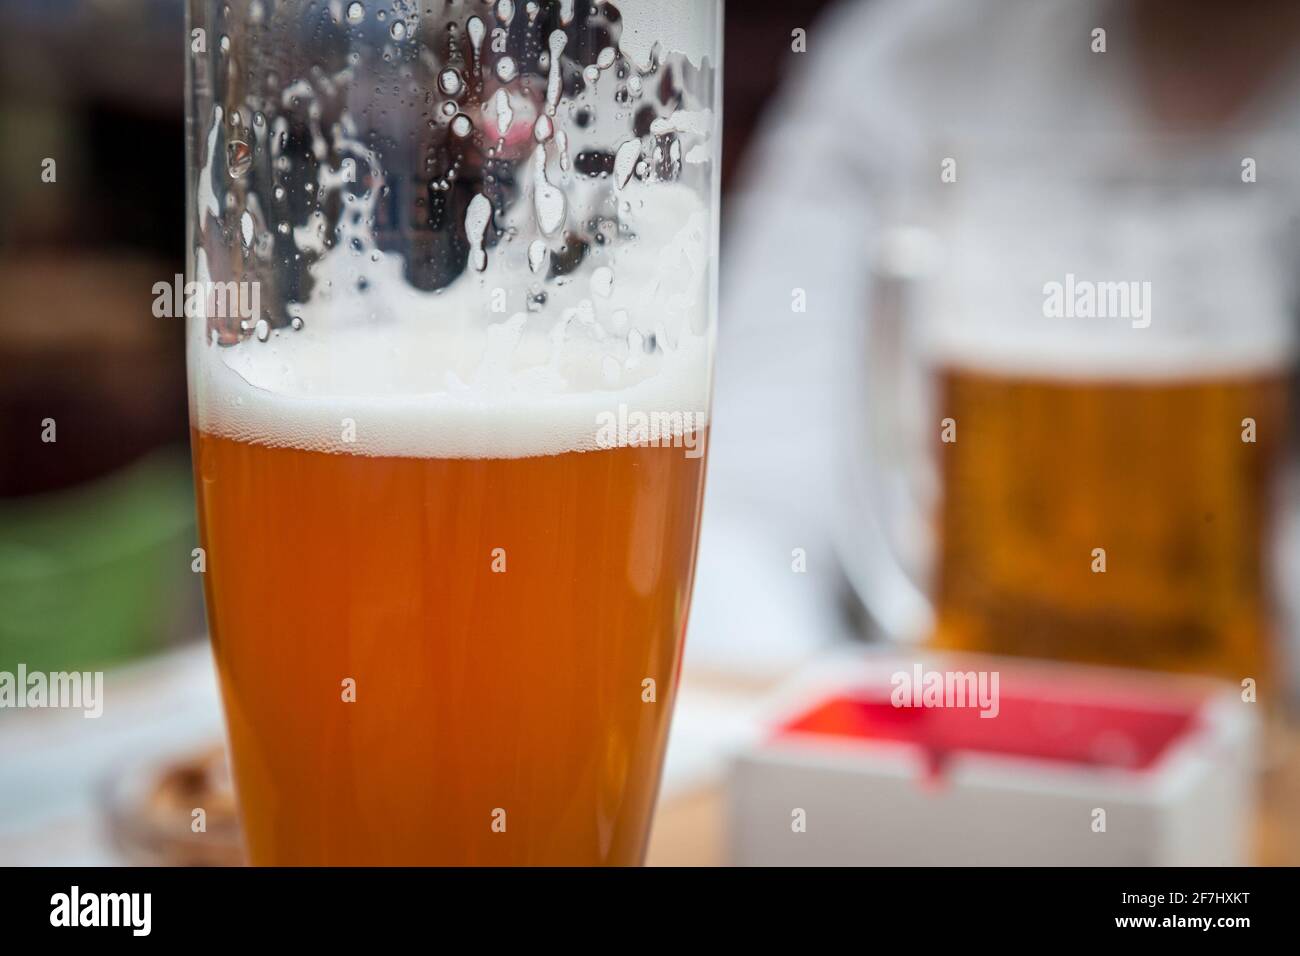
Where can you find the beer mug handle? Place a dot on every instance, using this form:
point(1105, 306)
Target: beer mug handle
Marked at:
point(887, 546)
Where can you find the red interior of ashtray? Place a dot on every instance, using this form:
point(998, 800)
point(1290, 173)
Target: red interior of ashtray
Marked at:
point(1045, 722)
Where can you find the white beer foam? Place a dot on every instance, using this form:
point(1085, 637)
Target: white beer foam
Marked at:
point(1215, 270)
point(443, 375)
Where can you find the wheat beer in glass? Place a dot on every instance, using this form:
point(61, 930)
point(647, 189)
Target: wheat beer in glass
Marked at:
point(1094, 408)
point(450, 317)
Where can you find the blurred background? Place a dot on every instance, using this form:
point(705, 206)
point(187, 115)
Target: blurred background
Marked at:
point(900, 182)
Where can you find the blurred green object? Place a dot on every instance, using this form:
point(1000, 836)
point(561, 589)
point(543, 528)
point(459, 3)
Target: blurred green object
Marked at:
point(101, 573)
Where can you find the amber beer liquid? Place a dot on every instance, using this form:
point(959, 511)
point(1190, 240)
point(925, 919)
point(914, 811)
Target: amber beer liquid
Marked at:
point(499, 621)
point(1154, 472)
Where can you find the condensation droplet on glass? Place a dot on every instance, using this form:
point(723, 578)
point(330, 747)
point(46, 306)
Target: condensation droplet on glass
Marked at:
point(506, 69)
point(297, 323)
point(476, 30)
point(533, 9)
point(537, 255)
point(591, 74)
point(566, 12)
point(549, 203)
point(449, 82)
point(505, 115)
point(625, 162)
point(605, 59)
point(282, 228)
point(557, 42)
point(398, 30)
point(239, 158)
point(543, 128)
point(462, 125)
point(506, 10)
point(356, 11)
point(246, 227)
point(476, 222)
point(225, 43)
point(263, 330)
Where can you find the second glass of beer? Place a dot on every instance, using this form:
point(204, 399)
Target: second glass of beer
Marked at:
point(450, 347)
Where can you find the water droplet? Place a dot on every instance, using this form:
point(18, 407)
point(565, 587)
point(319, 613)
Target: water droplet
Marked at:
point(476, 30)
point(297, 323)
point(543, 128)
point(505, 115)
point(397, 30)
point(506, 69)
point(476, 222)
point(239, 158)
point(246, 227)
point(462, 125)
point(562, 146)
point(356, 11)
point(449, 82)
point(263, 330)
point(537, 255)
point(506, 10)
point(557, 42)
point(625, 161)
point(549, 203)
point(606, 58)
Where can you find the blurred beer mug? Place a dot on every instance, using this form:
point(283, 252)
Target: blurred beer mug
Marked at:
point(1077, 395)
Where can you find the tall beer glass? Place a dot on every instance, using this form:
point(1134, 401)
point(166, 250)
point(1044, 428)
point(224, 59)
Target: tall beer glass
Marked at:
point(1083, 366)
point(450, 343)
